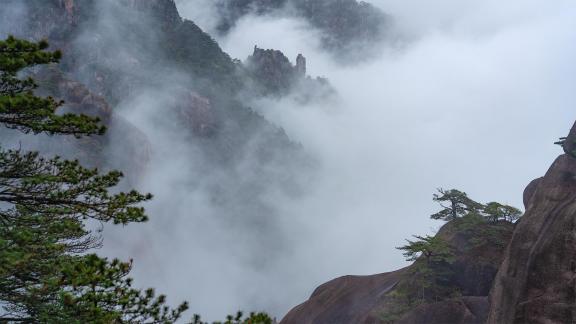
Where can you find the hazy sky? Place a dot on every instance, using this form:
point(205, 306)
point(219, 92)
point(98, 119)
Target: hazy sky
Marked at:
point(472, 99)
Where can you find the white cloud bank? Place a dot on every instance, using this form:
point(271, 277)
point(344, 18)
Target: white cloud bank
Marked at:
point(473, 102)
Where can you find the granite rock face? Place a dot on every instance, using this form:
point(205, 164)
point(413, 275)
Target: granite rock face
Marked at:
point(273, 71)
point(349, 299)
point(271, 74)
point(465, 310)
point(529, 276)
point(536, 282)
point(373, 299)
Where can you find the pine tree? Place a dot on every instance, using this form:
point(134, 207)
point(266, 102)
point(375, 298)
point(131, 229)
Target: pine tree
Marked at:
point(494, 212)
point(253, 318)
point(20, 108)
point(46, 273)
point(458, 204)
point(433, 249)
point(431, 269)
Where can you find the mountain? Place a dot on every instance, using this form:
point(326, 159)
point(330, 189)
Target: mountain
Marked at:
point(349, 29)
point(158, 81)
point(535, 283)
point(502, 273)
point(115, 50)
point(275, 76)
point(397, 297)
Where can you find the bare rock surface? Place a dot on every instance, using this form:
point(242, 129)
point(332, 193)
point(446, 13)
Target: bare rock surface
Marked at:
point(349, 299)
point(536, 281)
point(465, 310)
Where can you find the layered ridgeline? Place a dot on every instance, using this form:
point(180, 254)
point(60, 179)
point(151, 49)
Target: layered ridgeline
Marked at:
point(177, 113)
point(142, 57)
point(349, 29)
point(116, 50)
point(479, 268)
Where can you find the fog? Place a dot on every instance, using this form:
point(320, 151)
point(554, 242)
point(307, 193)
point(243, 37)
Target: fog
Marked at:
point(470, 95)
point(472, 98)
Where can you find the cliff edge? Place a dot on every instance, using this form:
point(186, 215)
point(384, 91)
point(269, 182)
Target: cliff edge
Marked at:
point(529, 277)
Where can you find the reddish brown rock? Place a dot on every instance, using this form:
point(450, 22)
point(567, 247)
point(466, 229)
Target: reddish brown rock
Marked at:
point(529, 192)
point(465, 310)
point(373, 299)
point(196, 113)
point(536, 281)
point(349, 299)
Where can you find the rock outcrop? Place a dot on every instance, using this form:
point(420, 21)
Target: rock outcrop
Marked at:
point(525, 274)
point(271, 74)
point(350, 299)
point(464, 310)
point(383, 298)
point(537, 280)
point(273, 71)
point(196, 113)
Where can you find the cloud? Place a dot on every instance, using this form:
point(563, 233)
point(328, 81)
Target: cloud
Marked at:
point(12, 14)
point(201, 12)
point(473, 99)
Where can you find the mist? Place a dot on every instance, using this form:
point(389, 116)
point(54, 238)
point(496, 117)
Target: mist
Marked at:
point(472, 98)
point(469, 95)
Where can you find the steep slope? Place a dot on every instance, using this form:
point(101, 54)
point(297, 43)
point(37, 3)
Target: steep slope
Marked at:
point(141, 60)
point(349, 299)
point(536, 282)
point(119, 49)
point(395, 297)
point(530, 273)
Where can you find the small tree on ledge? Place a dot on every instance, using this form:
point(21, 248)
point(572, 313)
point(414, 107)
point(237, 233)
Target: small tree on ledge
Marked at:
point(495, 211)
point(458, 204)
point(433, 256)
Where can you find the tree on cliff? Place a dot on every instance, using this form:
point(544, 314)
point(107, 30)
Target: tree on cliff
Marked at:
point(568, 145)
point(433, 256)
point(46, 274)
point(495, 211)
point(458, 204)
point(431, 248)
point(239, 318)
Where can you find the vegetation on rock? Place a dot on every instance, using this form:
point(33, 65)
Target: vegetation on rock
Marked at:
point(443, 263)
point(458, 204)
point(239, 318)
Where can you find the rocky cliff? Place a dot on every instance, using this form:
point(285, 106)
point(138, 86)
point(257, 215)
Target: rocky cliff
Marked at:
point(397, 297)
point(140, 56)
point(528, 277)
point(118, 49)
point(270, 73)
point(536, 282)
